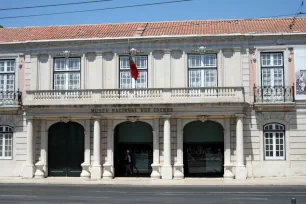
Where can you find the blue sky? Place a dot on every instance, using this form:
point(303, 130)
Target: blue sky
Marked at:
point(194, 10)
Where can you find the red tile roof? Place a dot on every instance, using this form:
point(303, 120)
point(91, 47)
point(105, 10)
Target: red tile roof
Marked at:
point(209, 27)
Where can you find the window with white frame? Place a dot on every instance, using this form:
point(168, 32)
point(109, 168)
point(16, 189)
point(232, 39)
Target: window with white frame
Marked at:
point(274, 141)
point(202, 70)
point(125, 79)
point(67, 74)
point(7, 75)
point(272, 69)
point(6, 142)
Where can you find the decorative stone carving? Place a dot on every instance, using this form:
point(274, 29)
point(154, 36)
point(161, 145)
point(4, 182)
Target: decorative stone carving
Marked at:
point(107, 174)
point(155, 171)
point(85, 170)
point(254, 57)
point(200, 49)
point(203, 118)
point(178, 171)
point(132, 119)
point(40, 172)
point(65, 119)
point(228, 171)
point(133, 51)
point(66, 53)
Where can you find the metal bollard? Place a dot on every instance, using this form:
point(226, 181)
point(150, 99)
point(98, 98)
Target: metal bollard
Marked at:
point(293, 201)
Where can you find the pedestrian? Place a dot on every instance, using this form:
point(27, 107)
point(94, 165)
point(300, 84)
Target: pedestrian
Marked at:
point(128, 161)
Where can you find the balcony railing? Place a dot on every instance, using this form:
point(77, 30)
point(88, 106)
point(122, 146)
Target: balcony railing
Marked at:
point(135, 96)
point(10, 98)
point(277, 94)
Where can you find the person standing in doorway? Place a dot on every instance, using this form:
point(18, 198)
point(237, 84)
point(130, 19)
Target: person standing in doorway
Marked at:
point(128, 162)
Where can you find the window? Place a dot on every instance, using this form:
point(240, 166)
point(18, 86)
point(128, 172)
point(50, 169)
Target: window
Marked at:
point(6, 142)
point(202, 70)
point(67, 74)
point(272, 69)
point(125, 80)
point(7, 75)
point(274, 141)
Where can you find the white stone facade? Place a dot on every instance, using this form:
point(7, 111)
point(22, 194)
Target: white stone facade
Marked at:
point(165, 105)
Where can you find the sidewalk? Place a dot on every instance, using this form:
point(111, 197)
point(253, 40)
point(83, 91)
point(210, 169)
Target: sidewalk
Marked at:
point(275, 181)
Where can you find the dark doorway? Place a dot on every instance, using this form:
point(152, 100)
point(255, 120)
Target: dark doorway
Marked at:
point(65, 149)
point(137, 137)
point(203, 149)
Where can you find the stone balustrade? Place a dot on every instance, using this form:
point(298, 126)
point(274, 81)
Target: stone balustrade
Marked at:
point(135, 96)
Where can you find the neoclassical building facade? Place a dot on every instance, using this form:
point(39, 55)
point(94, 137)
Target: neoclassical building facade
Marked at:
point(226, 102)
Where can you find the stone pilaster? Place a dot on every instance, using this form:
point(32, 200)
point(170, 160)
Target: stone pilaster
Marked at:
point(156, 165)
point(41, 165)
point(241, 172)
point(86, 164)
point(29, 169)
point(228, 166)
point(108, 165)
point(179, 165)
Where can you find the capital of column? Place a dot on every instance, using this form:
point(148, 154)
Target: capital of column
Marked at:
point(240, 116)
point(166, 116)
point(29, 118)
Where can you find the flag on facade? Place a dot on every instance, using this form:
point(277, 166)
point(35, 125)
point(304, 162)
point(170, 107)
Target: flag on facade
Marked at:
point(133, 68)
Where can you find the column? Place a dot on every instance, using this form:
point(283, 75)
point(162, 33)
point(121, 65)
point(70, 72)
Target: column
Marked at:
point(108, 165)
point(96, 172)
point(179, 165)
point(29, 167)
point(156, 165)
point(86, 164)
point(167, 167)
point(241, 172)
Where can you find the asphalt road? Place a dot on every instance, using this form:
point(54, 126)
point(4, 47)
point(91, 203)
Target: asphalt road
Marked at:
point(77, 194)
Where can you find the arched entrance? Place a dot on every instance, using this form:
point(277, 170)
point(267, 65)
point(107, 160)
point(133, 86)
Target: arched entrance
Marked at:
point(203, 149)
point(65, 149)
point(137, 137)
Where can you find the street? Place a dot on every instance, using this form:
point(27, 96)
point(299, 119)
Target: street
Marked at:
point(94, 194)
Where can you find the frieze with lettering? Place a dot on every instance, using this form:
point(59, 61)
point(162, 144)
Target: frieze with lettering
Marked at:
point(132, 110)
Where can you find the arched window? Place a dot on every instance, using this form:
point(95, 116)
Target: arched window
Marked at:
point(274, 141)
point(6, 142)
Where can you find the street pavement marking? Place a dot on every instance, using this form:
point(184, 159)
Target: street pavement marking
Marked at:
point(237, 192)
point(249, 198)
point(109, 191)
point(94, 197)
point(18, 196)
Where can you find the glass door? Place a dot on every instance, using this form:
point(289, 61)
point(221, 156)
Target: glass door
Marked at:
point(203, 159)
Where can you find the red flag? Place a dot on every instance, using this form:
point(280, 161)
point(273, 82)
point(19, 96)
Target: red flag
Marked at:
point(133, 68)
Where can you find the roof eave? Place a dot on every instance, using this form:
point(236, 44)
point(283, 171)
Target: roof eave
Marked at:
point(155, 37)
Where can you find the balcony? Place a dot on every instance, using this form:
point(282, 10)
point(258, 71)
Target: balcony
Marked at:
point(278, 96)
point(135, 96)
point(10, 99)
